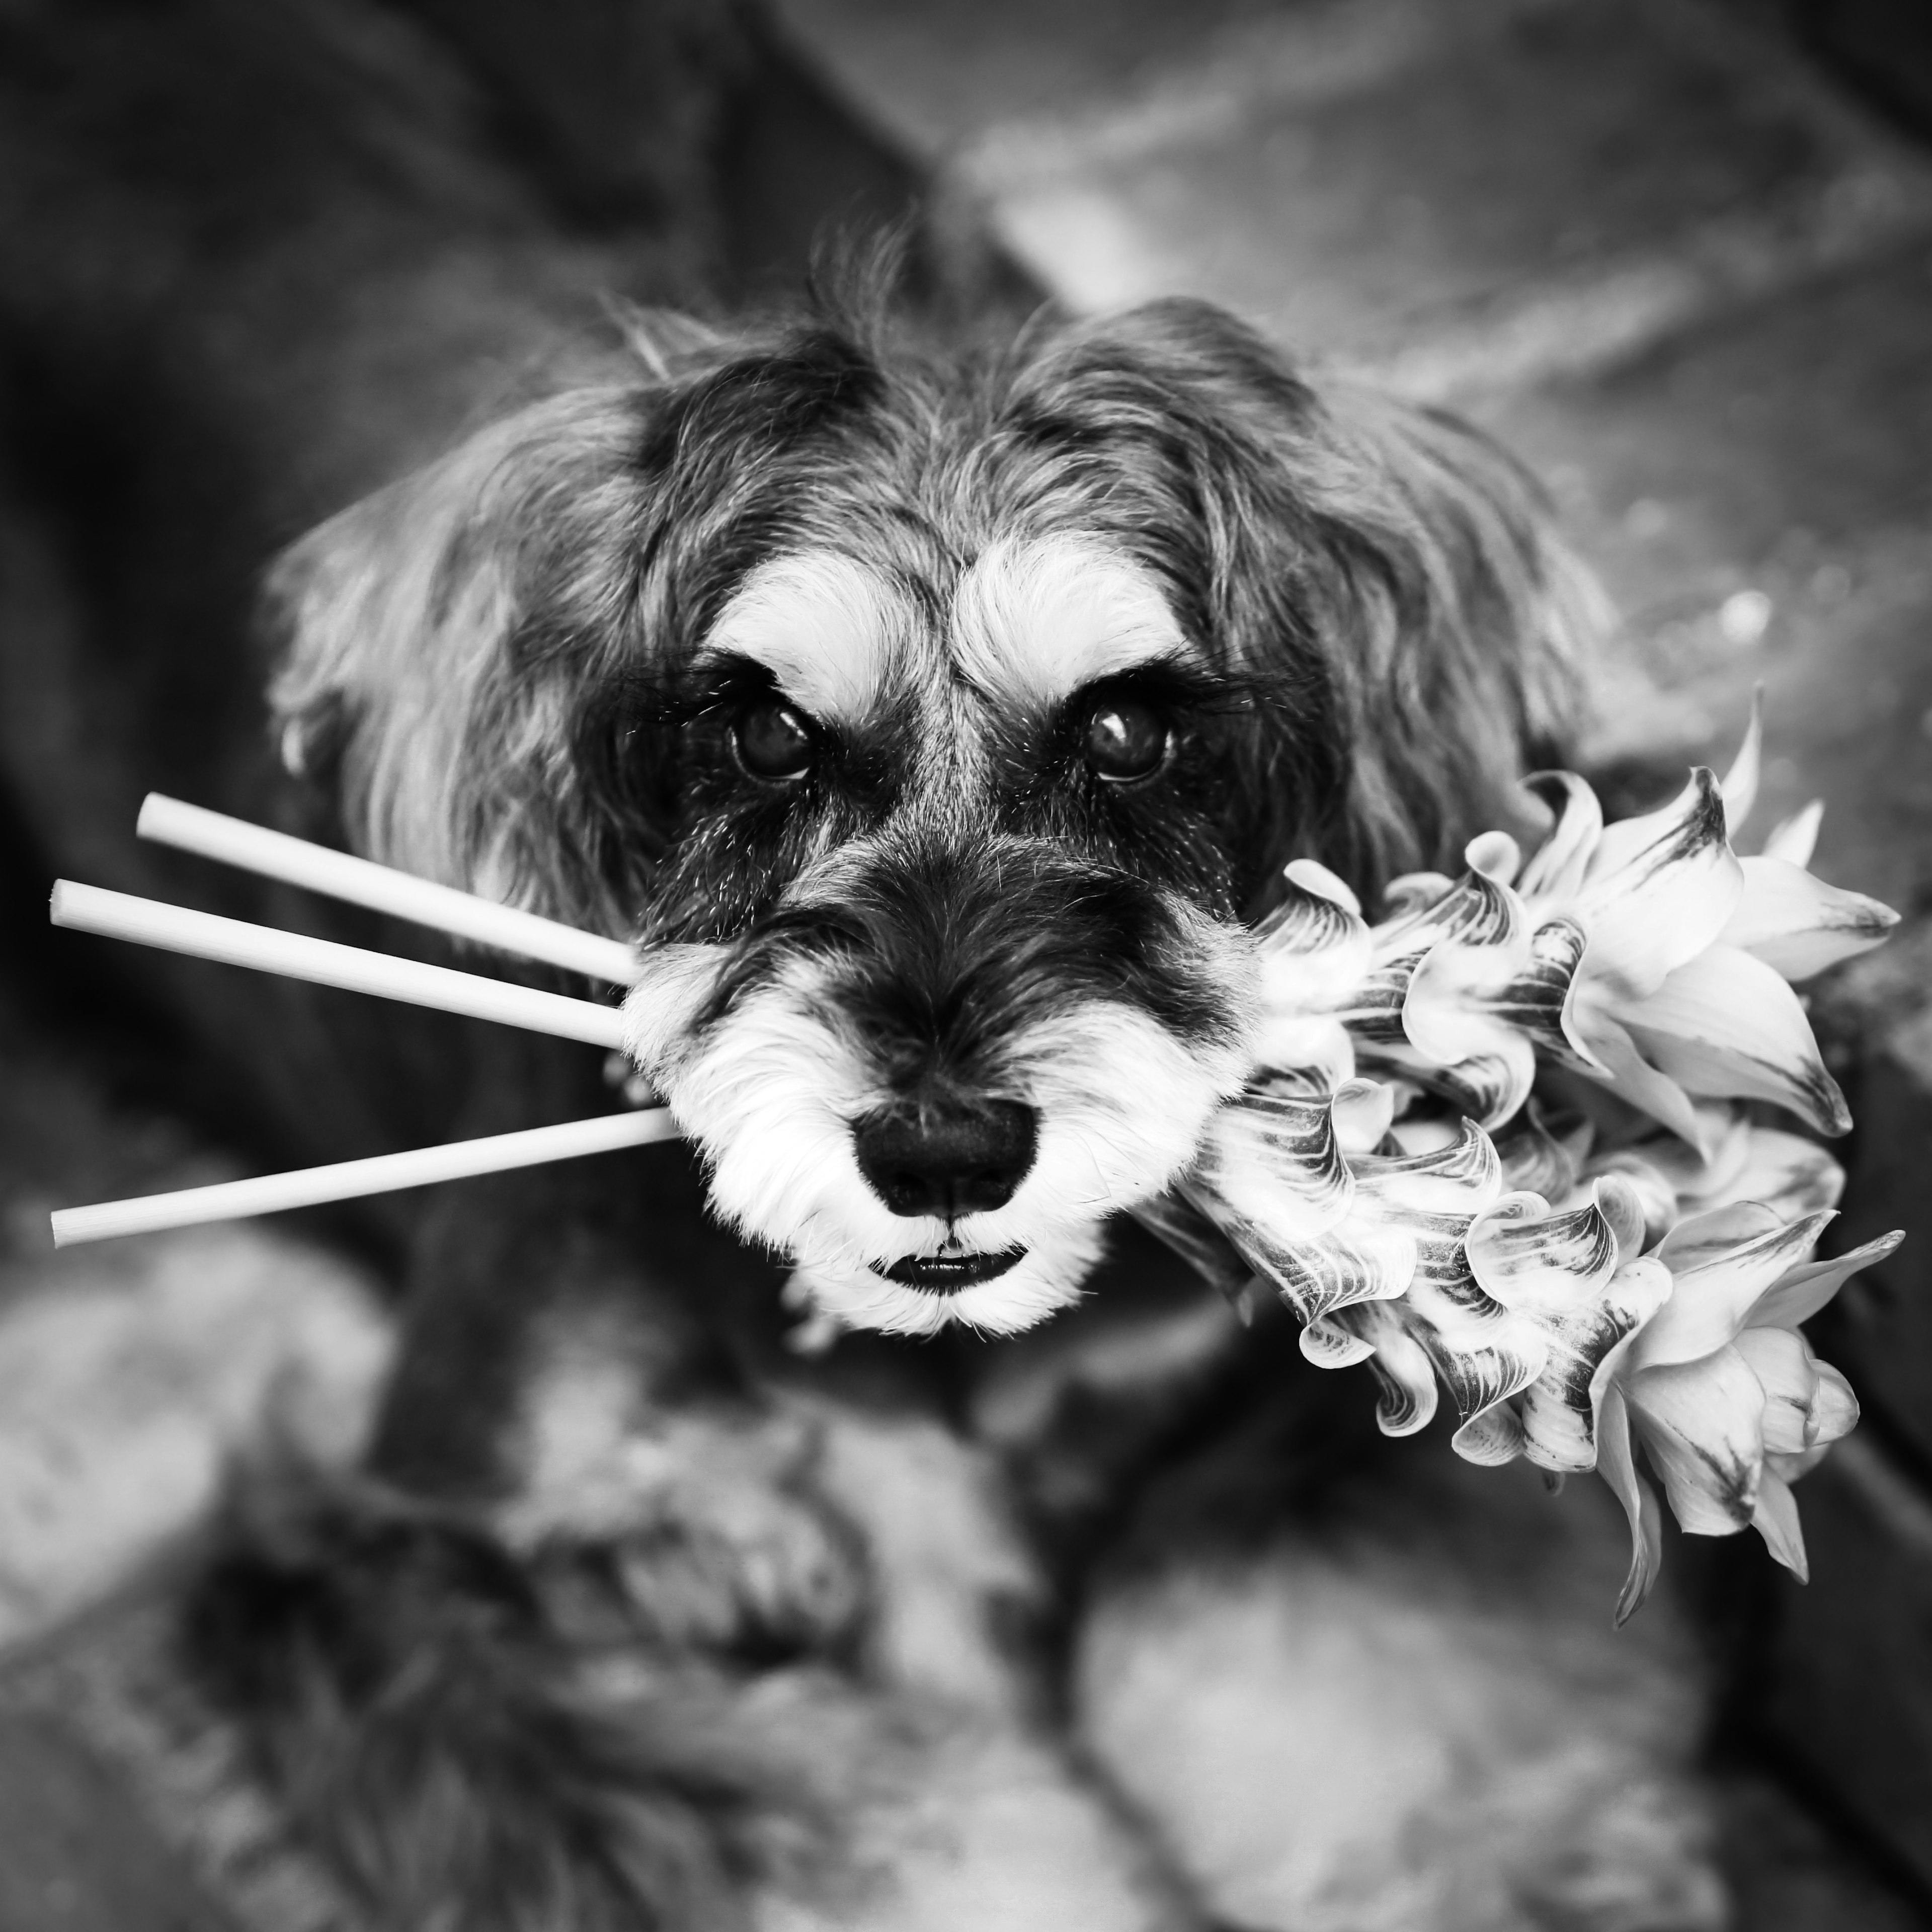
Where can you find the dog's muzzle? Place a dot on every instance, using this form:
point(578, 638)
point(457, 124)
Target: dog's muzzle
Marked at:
point(934, 1073)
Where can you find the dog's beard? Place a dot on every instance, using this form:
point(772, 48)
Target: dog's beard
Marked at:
point(769, 1093)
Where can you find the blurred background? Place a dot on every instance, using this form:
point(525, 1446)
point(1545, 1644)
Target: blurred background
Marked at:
point(255, 258)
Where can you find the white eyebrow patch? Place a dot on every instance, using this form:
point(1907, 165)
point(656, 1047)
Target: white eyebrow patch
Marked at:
point(831, 632)
point(1036, 618)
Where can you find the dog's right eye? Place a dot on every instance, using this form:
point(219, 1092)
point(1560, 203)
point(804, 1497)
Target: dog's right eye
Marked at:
point(774, 740)
point(1125, 738)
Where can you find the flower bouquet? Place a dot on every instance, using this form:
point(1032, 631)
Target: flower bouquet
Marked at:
point(1510, 1142)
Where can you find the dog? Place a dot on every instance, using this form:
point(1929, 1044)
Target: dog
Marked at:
point(938, 729)
point(856, 1522)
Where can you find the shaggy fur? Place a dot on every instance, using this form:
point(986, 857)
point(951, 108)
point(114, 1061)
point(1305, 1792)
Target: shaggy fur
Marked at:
point(628, 1615)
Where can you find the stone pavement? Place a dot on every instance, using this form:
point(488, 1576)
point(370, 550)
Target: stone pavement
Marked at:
point(1666, 256)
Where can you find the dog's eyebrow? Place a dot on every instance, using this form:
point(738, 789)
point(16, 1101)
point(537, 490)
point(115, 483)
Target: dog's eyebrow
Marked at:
point(1035, 619)
point(831, 632)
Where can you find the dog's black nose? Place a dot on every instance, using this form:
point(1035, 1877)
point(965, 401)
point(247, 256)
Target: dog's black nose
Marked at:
point(947, 1160)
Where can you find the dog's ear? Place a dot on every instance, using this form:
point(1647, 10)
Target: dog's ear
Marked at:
point(1464, 630)
point(470, 655)
point(1389, 576)
point(444, 645)
point(426, 633)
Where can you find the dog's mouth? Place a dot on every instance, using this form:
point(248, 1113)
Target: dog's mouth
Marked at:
point(947, 1274)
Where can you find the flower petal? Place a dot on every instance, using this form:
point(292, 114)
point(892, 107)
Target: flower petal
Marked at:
point(1490, 1438)
point(1315, 1046)
point(1270, 1171)
point(1445, 1012)
point(1618, 1467)
point(1175, 1221)
point(1740, 781)
point(1463, 1178)
point(1362, 1110)
point(1617, 1201)
point(1310, 875)
point(1788, 1468)
point(1315, 947)
point(1415, 892)
point(1328, 1345)
point(1408, 1401)
point(1476, 911)
point(1775, 1518)
point(1784, 1172)
point(1782, 1360)
point(1657, 1199)
point(1794, 839)
point(1808, 1404)
point(1802, 1290)
point(1560, 1270)
point(1360, 1261)
point(1487, 1087)
point(1535, 1161)
point(1621, 1068)
point(1556, 871)
point(1483, 1353)
point(1727, 1024)
point(1713, 1233)
point(1834, 1408)
point(1713, 1301)
point(1659, 890)
point(1560, 1408)
point(1496, 855)
point(1797, 924)
point(1537, 1262)
point(1534, 1002)
point(1723, 1147)
point(1699, 1424)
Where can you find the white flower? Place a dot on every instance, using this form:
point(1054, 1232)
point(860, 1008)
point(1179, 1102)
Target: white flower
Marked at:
point(1645, 955)
point(1650, 968)
point(1725, 1397)
point(1303, 1190)
point(1736, 1159)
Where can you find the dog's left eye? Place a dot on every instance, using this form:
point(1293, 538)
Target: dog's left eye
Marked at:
point(774, 740)
point(1126, 738)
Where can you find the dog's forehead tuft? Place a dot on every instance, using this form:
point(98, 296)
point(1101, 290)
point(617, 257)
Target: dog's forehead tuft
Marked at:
point(1035, 618)
point(1032, 619)
point(831, 631)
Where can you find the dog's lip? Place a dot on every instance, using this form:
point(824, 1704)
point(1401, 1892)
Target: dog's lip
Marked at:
point(947, 1274)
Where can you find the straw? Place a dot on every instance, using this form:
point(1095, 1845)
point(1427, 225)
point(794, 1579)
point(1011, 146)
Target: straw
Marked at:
point(308, 1187)
point(254, 848)
point(205, 936)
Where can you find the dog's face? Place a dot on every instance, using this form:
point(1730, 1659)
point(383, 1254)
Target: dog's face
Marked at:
point(936, 730)
point(972, 979)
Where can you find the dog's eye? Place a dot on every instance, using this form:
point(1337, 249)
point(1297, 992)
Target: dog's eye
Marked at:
point(774, 740)
point(1126, 738)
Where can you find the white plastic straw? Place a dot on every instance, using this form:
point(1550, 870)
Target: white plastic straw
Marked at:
point(205, 936)
point(254, 848)
point(308, 1187)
